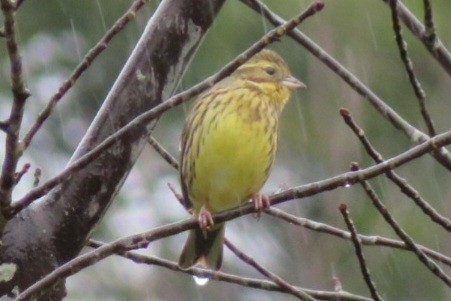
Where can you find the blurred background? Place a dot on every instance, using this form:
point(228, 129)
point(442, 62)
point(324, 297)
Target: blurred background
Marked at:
point(315, 144)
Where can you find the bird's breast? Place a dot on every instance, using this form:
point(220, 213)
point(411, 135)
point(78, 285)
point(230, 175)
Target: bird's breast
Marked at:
point(235, 151)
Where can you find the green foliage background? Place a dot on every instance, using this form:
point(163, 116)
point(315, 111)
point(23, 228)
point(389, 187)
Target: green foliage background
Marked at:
point(315, 144)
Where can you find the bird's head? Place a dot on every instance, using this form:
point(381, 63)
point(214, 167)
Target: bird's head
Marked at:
point(268, 72)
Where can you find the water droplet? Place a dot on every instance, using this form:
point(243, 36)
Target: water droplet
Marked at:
point(201, 281)
point(347, 185)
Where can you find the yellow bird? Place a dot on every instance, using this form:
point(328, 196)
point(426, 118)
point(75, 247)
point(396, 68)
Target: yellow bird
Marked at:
point(228, 145)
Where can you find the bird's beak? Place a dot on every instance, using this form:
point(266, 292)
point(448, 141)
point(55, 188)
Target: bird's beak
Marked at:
point(293, 83)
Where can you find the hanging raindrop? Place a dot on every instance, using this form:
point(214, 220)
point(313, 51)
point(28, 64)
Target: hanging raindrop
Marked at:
point(201, 281)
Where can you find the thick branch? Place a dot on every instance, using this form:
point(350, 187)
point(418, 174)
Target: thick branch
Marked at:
point(39, 239)
point(145, 118)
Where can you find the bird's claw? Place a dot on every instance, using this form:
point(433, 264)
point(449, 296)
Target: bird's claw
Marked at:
point(261, 202)
point(205, 220)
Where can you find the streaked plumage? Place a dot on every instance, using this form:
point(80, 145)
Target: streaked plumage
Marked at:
point(228, 146)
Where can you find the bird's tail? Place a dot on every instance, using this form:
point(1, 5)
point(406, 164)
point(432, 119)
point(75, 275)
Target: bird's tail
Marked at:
point(204, 248)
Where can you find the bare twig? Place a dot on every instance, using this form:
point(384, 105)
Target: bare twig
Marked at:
point(81, 68)
point(442, 155)
point(434, 46)
point(37, 176)
point(287, 287)
point(13, 149)
point(429, 22)
point(358, 251)
point(148, 116)
point(372, 240)
point(163, 153)
point(137, 241)
point(431, 265)
point(220, 276)
point(18, 175)
point(394, 177)
point(348, 178)
point(402, 46)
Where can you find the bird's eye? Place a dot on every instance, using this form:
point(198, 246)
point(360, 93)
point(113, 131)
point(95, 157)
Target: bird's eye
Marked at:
point(270, 70)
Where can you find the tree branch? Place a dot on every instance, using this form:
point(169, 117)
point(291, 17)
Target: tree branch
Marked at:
point(81, 68)
point(429, 264)
point(415, 135)
point(301, 295)
point(435, 46)
point(407, 189)
point(13, 150)
point(359, 253)
point(221, 276)
point(70, 212)
point(145, 118)
point(372, 240)
point(402, 46)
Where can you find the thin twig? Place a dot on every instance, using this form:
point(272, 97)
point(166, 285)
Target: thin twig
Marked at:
point(133, 242)
point(359, 252)
point(348, 178)
point(37, 176)
point(225, 277)
point(372, 240)
point(442, 155)
point(429, 22)
point(128, 243)
point(268, 274)
point(13, 149)
point(402, 46)
point(394, 177)
point(435, 47)
point(163, 153)
point(18, 175)
point(142, 240)
point(81, 68)
point(144, 118)
point(430, 265)
point(285, 286)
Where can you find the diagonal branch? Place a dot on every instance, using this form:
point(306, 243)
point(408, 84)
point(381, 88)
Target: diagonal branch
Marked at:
point(407, 189)
point(402, 46)
point(428, 263)
point(430, 33)
point(140, 121)
point(163, 153)
point(142, 240)
point(441, 155)
point(70, 212)
point(359, 253)
point(372, 240)
point(268, 274)
point(81, 68)
point(230, 278)
point(434, 46)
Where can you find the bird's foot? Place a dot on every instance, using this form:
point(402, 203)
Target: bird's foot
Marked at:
point(261, 202)
point(205, 220)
